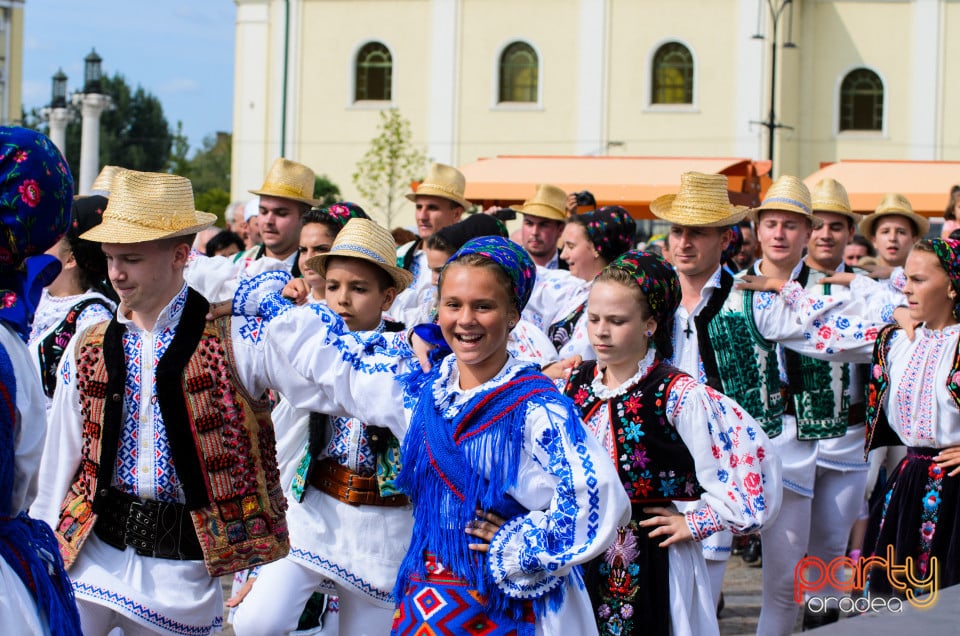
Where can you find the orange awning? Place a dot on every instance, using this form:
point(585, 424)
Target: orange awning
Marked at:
point(925, 183)
point(631, 182)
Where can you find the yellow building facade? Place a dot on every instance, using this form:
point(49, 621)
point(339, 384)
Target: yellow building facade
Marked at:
point(479, 78)
point(11, 61)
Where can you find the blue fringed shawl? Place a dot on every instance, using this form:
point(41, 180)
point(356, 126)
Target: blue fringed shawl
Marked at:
point(28, 545)
point(452, 468)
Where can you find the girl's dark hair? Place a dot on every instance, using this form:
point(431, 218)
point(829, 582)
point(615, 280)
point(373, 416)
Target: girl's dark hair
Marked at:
point(859, 239)
point(222, 239)
point(315, 215)
point(663, 336)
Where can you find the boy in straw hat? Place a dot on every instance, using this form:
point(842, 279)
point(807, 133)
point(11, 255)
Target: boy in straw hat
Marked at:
point(344, 540)
point(161, 463)
point(440, 202)
point(285, 196)
point(893, 228)
point(544, 216)
point(702, 218)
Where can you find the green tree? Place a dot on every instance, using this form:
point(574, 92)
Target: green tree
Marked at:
point(209, 170)
point(326, 190)
point(179, 161)
point(384, 173)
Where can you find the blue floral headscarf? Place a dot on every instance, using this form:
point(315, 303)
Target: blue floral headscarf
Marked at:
point(36, 191)
point(511, 258)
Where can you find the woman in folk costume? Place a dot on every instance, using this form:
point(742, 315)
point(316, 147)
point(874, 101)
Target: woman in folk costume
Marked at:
point(35, 194)
point(498, 537)
point(558, 306)
point(76, 299)
point(671, 438)
point(913, 396)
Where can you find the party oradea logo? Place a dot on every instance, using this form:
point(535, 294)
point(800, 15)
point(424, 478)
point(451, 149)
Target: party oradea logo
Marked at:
point(843, 574)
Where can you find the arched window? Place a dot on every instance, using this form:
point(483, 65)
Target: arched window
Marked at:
point(672, 75)
point(374, 78)
point(861, 101)
point(519, 72)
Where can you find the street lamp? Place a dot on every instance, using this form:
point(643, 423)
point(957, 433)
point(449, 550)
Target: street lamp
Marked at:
point(59, 99)
point(92, 73)
point(776, 9)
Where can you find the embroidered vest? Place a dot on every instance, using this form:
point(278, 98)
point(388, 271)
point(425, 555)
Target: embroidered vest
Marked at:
point(745, 368)
point(653, 462)
point(879, 431)
point(819, 390)
point(221, 440)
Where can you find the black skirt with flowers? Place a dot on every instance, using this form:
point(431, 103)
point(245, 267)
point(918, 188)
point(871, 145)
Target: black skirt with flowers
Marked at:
point(919, 515)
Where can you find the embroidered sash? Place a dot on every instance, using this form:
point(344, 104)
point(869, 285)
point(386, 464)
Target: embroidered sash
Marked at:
point(451, 468)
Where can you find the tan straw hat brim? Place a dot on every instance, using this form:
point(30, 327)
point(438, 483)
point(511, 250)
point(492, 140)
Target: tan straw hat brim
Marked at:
point(694, 212)
point(542, 210)
point(366, 240)
point(868, 225)
point(278, 191)
point(148, 206)
point(129, 231)
point(430, 190)
point(401, 277)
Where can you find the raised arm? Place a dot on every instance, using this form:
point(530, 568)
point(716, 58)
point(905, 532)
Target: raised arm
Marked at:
point(734, 464)
point(307, 354)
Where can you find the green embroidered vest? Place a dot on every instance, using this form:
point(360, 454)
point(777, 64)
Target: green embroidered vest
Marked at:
point(745, 367)
point(819, 390)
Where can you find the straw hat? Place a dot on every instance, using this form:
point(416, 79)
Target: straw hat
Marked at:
point(368, 241)
point(829, 195)
point(702, 202)
point(894, 204)
point(148, 206)
point(787, 194)
point(445, 182)
point(289, 180)
point(101, 185)
point(548, 202)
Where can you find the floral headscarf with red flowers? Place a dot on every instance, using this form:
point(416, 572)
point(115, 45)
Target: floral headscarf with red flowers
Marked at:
point(611, 229)
point(36, 191)
point(948, 253)
point(343, 211)
point(656, 279)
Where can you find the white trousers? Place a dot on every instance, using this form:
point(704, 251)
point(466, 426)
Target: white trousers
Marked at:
point(818, 527)
point(100, 620)
point(283, 587)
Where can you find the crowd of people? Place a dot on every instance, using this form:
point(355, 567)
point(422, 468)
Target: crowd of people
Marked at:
point(559, 432)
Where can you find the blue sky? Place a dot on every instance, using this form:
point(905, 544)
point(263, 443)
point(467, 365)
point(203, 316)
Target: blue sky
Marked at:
point(179, 50)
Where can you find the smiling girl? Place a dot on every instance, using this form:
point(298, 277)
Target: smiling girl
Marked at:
point(501, 533)
point(671, 439)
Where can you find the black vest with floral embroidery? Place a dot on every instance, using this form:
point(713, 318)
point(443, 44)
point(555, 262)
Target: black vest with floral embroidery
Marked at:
point(653, 462)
